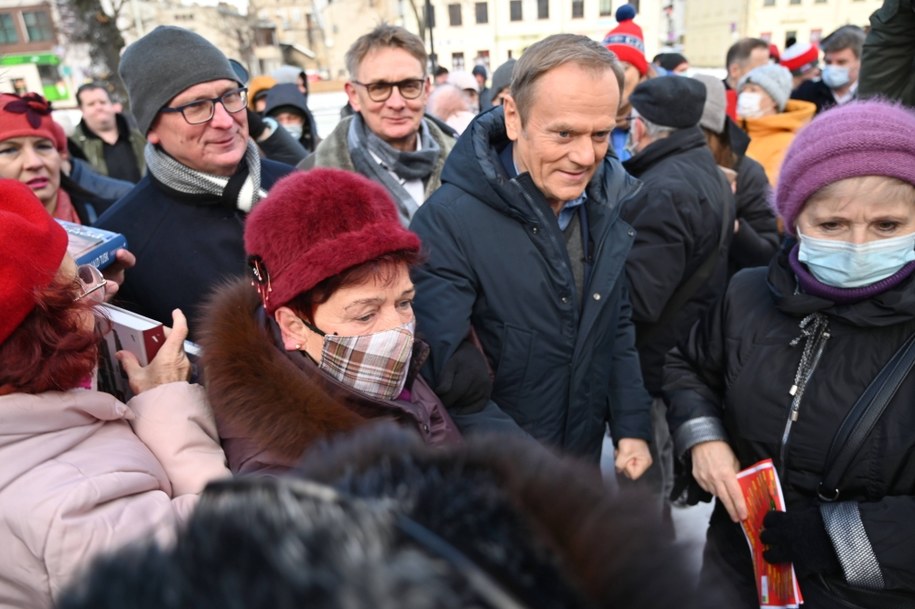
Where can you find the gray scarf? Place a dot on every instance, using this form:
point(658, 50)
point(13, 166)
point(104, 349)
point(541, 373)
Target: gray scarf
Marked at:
point(245, 186)
point(417, 165)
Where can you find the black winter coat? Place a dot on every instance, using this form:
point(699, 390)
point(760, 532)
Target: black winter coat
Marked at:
point(497, 261)
point(736, 369)
point(184, 244)
point(817, 92)
point(758, 239)
point(678, 221)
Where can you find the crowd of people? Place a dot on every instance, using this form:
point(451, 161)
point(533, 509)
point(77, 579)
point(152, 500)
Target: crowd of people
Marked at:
point(417, 331)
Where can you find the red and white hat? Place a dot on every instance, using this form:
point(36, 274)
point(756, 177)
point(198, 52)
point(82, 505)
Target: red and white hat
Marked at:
point(800, 57)
point(626, 39)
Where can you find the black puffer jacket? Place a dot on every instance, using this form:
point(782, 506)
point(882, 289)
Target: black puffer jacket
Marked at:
point(733, 376)
point(678, 221)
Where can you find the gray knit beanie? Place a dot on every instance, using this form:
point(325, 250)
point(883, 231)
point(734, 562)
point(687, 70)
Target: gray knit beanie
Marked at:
point(775, 79)
point(165, 62)
point(715, 110)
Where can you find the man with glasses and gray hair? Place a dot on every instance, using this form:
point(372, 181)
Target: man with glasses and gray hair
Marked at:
point(184, 220)
point(388, 139)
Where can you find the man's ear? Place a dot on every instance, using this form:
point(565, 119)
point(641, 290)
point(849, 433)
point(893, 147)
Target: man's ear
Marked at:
point(512, 118)
point(350, 89)
point(293, 331)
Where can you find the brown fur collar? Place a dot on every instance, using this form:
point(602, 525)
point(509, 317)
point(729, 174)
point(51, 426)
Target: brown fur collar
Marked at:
point(276, 400)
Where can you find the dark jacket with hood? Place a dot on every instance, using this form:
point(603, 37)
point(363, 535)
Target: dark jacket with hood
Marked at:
point(288, 96)
point(564, 361)
point(678, 221)
point(271, 404)
point(731, 379)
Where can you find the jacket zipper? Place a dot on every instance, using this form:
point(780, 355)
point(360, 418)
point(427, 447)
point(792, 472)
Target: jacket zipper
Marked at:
point(797, 391)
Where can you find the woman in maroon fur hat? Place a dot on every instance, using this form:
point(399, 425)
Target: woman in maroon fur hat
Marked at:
point(324, 340)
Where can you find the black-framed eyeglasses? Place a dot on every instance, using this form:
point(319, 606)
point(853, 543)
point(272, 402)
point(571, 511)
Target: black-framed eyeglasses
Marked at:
point(91, 281)
point(203, 110)
point(380, 91)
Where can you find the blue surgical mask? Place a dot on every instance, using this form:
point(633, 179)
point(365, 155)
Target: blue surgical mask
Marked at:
point(835, 76)
point(294, 130)
point(852, 265)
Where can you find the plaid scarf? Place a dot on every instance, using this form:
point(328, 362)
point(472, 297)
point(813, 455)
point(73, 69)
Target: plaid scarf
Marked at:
point(241, 190)
point(416, 165)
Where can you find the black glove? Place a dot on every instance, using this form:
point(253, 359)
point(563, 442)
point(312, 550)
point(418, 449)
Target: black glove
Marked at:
point(256, 124)
point(465, 384)
point(799, 537)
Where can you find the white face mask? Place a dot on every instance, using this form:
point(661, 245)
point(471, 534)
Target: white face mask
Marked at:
point(852, 265)
point(749, 104)
point(294, 130)
point(835, 76)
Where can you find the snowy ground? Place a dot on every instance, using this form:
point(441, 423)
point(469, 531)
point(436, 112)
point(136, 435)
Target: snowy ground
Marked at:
point(690, 523)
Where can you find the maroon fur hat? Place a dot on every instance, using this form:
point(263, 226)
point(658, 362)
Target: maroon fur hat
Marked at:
point(316, 224)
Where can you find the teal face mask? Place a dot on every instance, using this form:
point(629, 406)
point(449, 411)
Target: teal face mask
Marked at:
point(849, 265)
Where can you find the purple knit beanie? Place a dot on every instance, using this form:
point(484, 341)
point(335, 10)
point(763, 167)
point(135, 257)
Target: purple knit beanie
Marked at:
point(866, 138)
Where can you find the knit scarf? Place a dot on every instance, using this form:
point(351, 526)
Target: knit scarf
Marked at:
point(64, 209)
point(242, 190)
point(416, 165)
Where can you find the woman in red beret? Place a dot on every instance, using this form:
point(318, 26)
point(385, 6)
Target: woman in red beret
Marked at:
point(324, 340)
point(33, 149)
point(80, 472)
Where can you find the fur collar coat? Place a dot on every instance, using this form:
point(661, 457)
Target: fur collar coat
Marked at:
point(271, 405)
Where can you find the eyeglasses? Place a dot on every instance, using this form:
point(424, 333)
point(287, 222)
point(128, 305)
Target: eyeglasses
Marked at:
point(203, 110)
point(91, 281)
point(410, 88)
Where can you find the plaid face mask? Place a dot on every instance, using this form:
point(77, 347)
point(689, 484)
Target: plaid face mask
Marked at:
point(375, 364)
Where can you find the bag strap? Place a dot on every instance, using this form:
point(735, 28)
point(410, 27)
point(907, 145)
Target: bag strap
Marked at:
point(863, 416)
point(696, 280)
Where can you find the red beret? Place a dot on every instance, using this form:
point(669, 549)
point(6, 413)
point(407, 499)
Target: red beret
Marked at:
point(33, 245)
point(318, 223)
point(29, 115)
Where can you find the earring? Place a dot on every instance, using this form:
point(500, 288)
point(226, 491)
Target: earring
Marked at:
point(298, 347)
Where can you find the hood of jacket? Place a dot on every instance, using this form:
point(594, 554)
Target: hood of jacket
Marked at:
point(474, 167)
point(894, 306)
point(62, 420)
point(277, 399)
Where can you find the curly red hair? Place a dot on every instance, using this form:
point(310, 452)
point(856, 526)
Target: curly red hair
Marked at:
point(50, 350)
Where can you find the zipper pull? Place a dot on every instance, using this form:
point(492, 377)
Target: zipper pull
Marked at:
point(794, 416)
point(793, 390)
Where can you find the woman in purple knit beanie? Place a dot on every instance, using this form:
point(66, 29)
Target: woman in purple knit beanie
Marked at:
point(776, 370)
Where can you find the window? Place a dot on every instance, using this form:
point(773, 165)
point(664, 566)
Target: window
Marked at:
point(578, 9)
point(768, 2)
point(816, 34)
point(482, 58)
point(457, 61)
point(429, 11)
point(794, 1)
point(605, 7)
point(8, 30)
point(482, 10)
point(454, 14)
point(790, 34)
point(38, 26)
point(515, 10)
point(543, 9)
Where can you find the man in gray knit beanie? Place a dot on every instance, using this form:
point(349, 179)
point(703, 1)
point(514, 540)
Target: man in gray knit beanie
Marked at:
point(184, 218)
